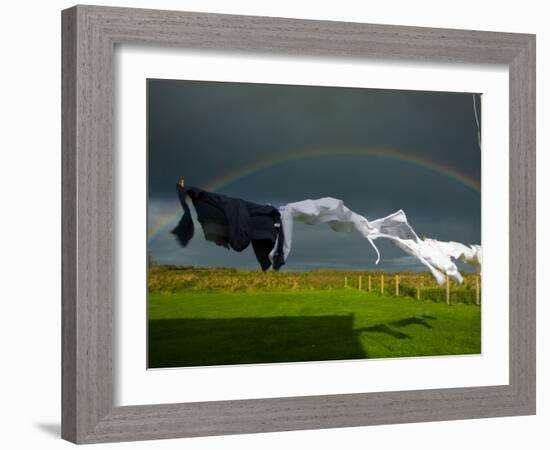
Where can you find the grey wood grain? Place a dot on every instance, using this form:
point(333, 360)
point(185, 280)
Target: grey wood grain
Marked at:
point(68, 226)
point(89, 36)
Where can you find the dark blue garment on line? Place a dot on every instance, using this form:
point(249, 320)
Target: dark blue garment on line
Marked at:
point(232, 223)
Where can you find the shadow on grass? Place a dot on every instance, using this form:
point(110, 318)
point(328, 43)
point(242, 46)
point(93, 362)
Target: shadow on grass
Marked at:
point(421, 320)
point(205, 342)
point(387, 328)
point(383, 328)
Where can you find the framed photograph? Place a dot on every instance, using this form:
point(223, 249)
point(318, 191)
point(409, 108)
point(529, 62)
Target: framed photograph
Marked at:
point(268, 222)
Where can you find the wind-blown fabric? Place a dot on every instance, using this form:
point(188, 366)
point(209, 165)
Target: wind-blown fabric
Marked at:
point(394, 227)
point(232, 223)
point(324, 210)
point(235, 223)
point(469, 254)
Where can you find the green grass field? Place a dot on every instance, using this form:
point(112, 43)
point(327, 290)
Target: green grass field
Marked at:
point(215, 328)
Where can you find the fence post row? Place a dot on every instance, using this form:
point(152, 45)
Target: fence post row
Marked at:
point(419, 285)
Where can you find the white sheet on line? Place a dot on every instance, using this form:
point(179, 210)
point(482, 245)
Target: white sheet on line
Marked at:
point(433, 254)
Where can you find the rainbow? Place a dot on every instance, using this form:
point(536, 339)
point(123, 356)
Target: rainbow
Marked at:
point(170, 218)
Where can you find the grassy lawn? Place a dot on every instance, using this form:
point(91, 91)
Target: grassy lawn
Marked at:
point(199, 329)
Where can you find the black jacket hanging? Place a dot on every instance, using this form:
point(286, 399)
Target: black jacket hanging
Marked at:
point(232, 223)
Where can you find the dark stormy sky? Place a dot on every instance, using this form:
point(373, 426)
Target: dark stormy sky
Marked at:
point(207, 131)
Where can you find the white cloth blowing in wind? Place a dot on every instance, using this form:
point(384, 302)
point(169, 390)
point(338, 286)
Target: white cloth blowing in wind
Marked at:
point(394, 227)
point(324, 210)
point(469, 254)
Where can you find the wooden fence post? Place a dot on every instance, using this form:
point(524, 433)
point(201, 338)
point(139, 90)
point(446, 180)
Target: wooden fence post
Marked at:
point(417, 287)
point(397, 285)
point(447, 290)
point(369, 285)
point(360, 282)
point(382, 283)
point(477, 289)
point(345, 281)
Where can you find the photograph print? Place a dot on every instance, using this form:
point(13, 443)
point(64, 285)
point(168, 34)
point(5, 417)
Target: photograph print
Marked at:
point(291, 223)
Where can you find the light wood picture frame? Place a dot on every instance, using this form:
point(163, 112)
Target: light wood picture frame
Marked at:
point(89, 36)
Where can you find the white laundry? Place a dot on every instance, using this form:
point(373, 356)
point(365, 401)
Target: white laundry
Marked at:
point(396, 228)
point(324, 210)
point(431, 253)
point(470, 254)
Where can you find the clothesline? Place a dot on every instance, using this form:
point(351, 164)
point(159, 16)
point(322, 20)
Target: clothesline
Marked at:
point(236, 223)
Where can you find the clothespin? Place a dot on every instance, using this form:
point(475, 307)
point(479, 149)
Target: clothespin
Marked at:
point(182, 183)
